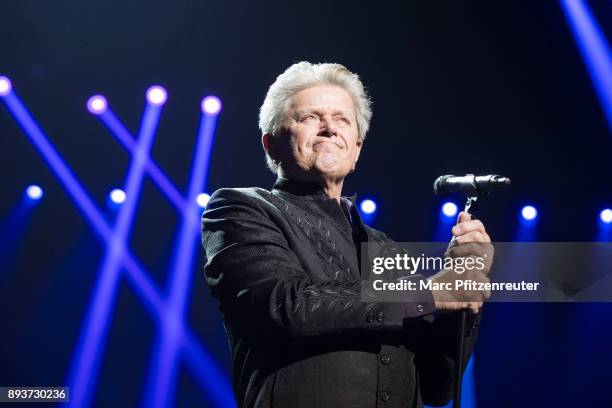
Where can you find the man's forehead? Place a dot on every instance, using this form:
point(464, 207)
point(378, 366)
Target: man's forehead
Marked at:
point(331, 97)
point(321, 101)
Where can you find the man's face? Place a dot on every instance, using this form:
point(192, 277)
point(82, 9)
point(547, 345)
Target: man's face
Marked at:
point(319, 138)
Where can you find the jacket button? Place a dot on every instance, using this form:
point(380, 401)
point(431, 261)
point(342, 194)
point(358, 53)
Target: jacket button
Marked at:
point(384, 396)
point(386, 360)
point(420, 308)
point(380, 317)
point(370, 318)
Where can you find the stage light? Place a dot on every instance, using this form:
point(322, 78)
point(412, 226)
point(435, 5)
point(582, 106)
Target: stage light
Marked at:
point(449, 209)
point(156, 95)
point(211, 105)
point(606, 216)
point(203, 200)
point(529, 213)
point(368, 206)
point(91, 343)
point(5, 85)
point(97, 104)
point(34, 192)
point(117, 196)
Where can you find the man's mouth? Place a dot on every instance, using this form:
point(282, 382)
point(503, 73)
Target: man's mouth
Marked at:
point(327, 141)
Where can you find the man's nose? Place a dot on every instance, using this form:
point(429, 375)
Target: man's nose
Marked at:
point(328, 128)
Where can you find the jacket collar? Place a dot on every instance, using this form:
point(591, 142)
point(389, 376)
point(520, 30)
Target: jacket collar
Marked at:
point(311, 196)
point(306, 190)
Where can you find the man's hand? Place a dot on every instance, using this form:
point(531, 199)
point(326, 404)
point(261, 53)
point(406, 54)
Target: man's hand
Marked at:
point(470, 240)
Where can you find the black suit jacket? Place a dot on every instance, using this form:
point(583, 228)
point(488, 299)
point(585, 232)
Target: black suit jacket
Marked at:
point(284, 266)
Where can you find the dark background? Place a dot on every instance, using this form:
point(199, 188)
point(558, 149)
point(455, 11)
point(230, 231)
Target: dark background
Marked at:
point(458, 87)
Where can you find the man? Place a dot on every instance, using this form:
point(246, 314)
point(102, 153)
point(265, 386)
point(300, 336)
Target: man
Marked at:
point(284, 265)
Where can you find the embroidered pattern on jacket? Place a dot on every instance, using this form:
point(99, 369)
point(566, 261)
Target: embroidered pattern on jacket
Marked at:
point(318, 234)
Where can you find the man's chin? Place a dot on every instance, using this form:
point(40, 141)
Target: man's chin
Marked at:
point(333, 171)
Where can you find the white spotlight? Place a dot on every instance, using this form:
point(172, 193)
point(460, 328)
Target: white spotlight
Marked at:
point(156, 95)
point(449, 209)
point(97, 104)
point(529, 213)
point(202, 200)
point(606, 216)
point(368, 207)
point(117, 196)
point(34, 192)
point(211, 105)
point(5, 86)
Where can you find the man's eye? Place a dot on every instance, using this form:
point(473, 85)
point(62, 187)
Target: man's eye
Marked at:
point(308, 117)
point(344, 120)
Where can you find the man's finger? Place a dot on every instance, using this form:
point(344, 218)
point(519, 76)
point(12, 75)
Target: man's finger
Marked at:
point(468, 226)
point(472, 248)
point(473, 236)
point(475, 307)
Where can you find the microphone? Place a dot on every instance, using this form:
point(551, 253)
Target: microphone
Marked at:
point(470, 184)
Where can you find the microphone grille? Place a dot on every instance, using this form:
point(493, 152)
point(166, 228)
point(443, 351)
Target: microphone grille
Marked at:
point(440, 183)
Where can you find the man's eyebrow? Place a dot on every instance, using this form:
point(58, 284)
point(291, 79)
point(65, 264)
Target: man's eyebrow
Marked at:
point(317, 110)
point(342, 111)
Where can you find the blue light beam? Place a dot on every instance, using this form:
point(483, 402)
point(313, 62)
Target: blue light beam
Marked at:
point(98, 318)
point(594, 48)
point(78, 194)
point(162, 378)
point(123, 136)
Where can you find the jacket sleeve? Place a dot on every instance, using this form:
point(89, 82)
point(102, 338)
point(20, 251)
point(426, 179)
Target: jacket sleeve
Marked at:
point(262, 288)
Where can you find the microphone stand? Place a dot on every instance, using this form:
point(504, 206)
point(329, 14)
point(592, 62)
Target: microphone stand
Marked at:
point(470, 204)
point(475, 186)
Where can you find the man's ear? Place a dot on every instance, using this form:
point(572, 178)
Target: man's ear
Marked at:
point(269, 145)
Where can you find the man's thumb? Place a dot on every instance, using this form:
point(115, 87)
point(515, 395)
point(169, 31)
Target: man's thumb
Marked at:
point(464, 217)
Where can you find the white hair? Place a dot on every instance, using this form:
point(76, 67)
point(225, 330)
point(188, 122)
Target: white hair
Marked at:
point(303, 75)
